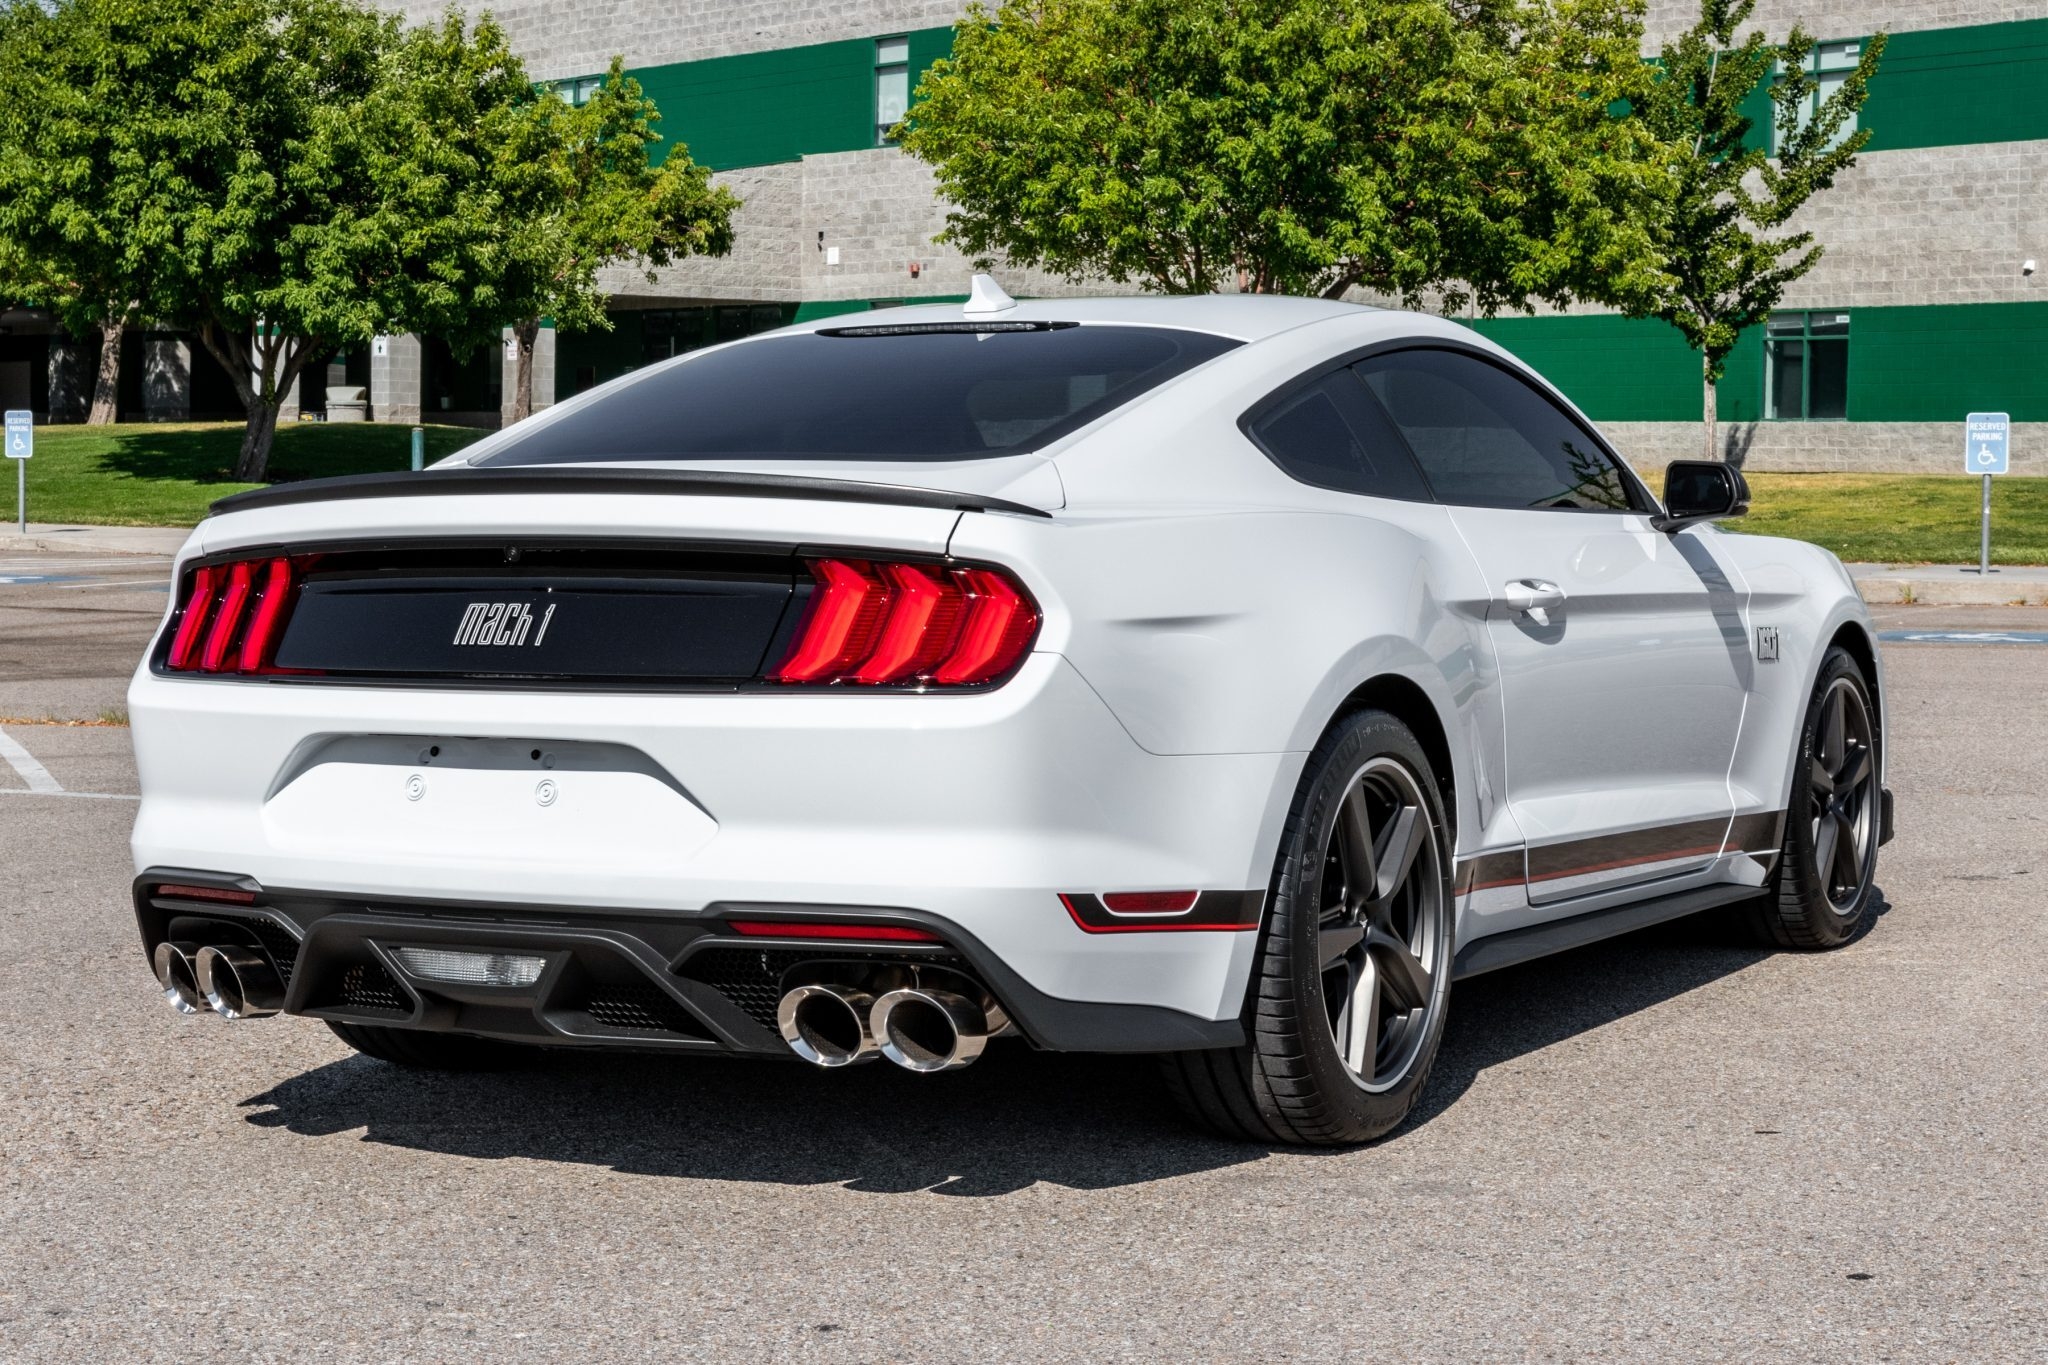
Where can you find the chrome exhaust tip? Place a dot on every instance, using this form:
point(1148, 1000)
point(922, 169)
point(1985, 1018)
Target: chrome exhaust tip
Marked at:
point(926, 1030)
point(179, 976)
point(827, 1025)
point(238, 982)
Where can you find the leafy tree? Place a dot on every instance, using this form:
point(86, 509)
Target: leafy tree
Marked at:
point(68, 143)
point(1727, 260)
point(602, 201)
point(1456, 148)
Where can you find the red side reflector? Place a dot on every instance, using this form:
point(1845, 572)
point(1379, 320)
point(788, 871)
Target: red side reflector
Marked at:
point(1150, 902)
point(206, 893)
point(880, 933)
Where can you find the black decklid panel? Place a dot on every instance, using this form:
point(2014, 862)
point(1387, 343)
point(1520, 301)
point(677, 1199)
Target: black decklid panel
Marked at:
point(571, 626)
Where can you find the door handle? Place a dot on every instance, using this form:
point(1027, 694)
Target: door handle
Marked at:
point(1534, 597)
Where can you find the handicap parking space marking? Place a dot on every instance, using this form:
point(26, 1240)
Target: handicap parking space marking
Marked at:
point(40, 782)
point(23, 762)
point(1964, 637)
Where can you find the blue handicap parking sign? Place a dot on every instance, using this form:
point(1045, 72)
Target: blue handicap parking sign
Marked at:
point(21, 434)
point(1987, 443)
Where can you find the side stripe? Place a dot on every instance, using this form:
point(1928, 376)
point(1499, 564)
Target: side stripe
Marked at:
point(1758, 833)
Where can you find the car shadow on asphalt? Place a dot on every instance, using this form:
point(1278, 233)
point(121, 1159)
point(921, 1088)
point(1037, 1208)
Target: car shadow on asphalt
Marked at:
point(1016, 1119)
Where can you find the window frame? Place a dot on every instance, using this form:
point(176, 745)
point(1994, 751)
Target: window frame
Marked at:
point(1816, 70)
point(1643, 501)
point(882, 138)
point(1806, 337)
point(1271, 405)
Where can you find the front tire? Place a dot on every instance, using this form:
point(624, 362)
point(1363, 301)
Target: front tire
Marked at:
point(1820, 891)
point(1354, 974)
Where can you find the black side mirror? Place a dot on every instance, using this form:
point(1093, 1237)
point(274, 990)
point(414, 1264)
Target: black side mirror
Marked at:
point(1701, 490)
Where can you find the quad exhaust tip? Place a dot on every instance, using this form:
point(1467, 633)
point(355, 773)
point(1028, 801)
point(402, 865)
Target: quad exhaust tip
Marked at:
point(929, 1030)
point(179, 976)
point(238, 982)
point(827, 1025)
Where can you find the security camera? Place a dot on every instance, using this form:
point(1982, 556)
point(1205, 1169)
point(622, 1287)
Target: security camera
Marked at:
point(2026, 267)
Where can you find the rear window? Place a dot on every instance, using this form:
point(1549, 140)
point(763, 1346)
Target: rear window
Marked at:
point(947, 391)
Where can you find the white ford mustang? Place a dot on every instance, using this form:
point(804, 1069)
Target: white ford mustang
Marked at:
point(1217, 677)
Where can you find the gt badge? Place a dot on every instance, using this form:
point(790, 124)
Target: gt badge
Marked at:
point(1767, 644)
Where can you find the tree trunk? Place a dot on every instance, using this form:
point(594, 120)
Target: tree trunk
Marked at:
point(526, 334)
point(106, 385)
point(254, 461)
point(1712, 417)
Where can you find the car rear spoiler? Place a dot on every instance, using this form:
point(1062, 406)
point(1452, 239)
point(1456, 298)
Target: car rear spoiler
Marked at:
point(703, 483)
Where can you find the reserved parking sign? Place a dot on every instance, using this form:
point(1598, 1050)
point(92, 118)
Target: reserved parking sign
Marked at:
point(1987, 442)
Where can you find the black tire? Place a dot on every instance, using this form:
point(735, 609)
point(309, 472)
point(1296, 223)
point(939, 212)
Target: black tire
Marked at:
point(423, 1050)
point(1806, 905)
point(1290, 1083)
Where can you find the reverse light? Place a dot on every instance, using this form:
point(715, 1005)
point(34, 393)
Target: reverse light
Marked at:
point(874, 623)
point(471, 969)
point(233, 616)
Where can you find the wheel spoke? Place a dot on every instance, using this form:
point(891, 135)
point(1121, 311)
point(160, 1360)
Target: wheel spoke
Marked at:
point(1336, 939)
point(1361, 1034)
point(1401, 973)
point(1824, 846)
point(1854, 772)
point(1396, 854)
point(1848, 864)
point(1833, 724)
point(1354, 844)
point(1821, 780)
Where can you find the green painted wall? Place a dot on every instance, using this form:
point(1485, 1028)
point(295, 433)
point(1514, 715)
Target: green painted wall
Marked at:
point(1951, 86)
point(1930, 364)
point(757, 108)
point(1628, 370)
point(1937, 364)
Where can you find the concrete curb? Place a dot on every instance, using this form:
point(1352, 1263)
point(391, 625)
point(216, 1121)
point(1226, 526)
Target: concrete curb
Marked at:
point(1951, 585)
point(98, 540)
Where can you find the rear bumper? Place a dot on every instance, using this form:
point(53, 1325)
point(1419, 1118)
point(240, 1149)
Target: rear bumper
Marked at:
point(977, 812)
point(611, 979)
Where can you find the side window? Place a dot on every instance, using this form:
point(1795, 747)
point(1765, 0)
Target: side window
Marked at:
point(1329, 435)
point(1485, 438)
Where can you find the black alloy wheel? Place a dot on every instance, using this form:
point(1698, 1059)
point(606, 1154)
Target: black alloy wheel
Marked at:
point(1352, 985)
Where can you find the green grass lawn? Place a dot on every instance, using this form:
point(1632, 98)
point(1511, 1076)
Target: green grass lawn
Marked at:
point(1901, 519)
point(157, 474)
point(165, 473)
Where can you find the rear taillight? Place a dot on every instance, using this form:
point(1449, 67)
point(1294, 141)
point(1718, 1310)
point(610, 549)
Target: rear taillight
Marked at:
point(232, 617)
point(875, 623)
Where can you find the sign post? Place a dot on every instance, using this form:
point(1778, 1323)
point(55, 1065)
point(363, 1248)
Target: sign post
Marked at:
point(1987, 450)
point(21, 443)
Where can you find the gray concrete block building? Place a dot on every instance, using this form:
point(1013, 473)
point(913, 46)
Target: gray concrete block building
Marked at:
point(1921, 311)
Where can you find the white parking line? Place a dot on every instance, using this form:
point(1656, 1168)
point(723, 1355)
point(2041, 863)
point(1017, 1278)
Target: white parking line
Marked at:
point(22, 761)
point(123, 583)
point(73, 796)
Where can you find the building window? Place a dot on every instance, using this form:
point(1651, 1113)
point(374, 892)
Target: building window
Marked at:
point(1806, 369)
point(892, 86)
point(1829, 64)
point(579, 92)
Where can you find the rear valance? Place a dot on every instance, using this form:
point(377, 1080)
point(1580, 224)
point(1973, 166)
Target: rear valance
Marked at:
point(707, 483)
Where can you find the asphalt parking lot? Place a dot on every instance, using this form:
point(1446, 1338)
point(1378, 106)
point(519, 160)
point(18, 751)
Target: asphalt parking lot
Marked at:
point(1671, 1146)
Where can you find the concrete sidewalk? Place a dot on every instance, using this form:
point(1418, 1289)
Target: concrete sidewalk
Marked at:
point(98, 540)
point(1952, 584)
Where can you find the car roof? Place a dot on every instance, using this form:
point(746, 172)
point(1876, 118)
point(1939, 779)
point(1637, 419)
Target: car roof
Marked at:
point(1245, 317)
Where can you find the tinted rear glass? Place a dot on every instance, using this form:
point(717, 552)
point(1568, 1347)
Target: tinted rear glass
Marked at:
point(875, 392)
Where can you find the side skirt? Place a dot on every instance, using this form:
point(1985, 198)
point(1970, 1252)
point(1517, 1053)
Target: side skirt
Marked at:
point(1541, 940)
